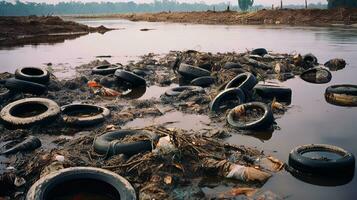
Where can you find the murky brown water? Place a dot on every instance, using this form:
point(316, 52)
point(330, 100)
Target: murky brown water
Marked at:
point(310, 120)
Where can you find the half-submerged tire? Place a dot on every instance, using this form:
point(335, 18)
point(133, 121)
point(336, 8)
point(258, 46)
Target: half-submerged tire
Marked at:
point(204, 81)
point(309, 61)
point(342, 95)
point(130, 77)
point(18, 85)
point(321, 159)
point(264, 121)
point(270, 92)
point(84, 114)
point(81, 179)
point(179, 90)
point(192, 72)
point(33, 74)
point(316, 75)
point(105, 69)
point(335, 64)
point(232, 94)
point(109, 143)
point(259, 52)
point(29, 112)
point(245, 81)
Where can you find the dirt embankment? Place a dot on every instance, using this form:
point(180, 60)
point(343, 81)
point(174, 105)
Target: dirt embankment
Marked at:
point(314, 17)
point(33, 29)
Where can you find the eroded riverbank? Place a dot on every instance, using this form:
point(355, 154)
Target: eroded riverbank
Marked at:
point(16, 31)
point(302, 17)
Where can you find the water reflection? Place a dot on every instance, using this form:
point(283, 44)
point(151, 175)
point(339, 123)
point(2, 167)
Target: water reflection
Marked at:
point(332, 180)
point(37, 40)
point(263, 135)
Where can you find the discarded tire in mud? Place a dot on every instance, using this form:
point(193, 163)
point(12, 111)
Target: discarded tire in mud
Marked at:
point(245, 81)
point(309, 61)
point(105, 69)
point(30, 111)
point(270, 92)
point(335, 64)
point(244, 116)
point(33, 74)
point(135, 93)
point(204, 81)
point(179, 90)
point(69, 182)
point(130, 77)
point(29, 144)
point(4, 93)
point(321, 159)
point(84, 114)
point(110, 143)
point(18, 85)
point(342, 95)
point(225, 98)
point(192, 72)
point(259, 52)
point(316, 75)
point(232, 65)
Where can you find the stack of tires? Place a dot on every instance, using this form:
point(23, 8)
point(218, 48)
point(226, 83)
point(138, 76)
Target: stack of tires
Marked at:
point(30, 80)
point(236, 96)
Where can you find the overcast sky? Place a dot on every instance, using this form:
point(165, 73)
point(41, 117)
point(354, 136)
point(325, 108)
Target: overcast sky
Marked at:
point(257, 2)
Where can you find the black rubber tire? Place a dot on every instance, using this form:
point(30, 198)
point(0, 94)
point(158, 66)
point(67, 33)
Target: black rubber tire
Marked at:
point(342, 95)
point(18, 85)
point(245, 81)
point(264, 122)
point(109, 143)
point(41, 188)
point(229, 94)
point(232, 65)
point(310, 60)
point(7, 115)
point(309, 76)
point(4, 95)
point(33, 74)
point(135, 93)
point(206, 66)
point(76, 121)
point(345, 164)
point(178, 90)
point(130, 77)
point(259, 52)
point(204, 81)
point(105, 69)
point(335, 64)
point(346, 89)
point(270, 92)
point(192, 72)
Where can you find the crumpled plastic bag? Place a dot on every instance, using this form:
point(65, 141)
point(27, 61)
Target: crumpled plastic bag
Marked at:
point(164, 146)
point(244, 173)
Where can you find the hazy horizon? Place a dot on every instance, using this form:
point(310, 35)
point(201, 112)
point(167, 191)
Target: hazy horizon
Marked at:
point(233, 2)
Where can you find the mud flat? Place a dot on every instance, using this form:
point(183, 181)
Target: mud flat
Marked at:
point(309, 17)
point(195, 156)
point(33, 30)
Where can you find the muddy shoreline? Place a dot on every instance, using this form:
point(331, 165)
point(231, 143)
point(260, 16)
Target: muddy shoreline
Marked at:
point(16, 31)
point(146, 170)
point(302, 17)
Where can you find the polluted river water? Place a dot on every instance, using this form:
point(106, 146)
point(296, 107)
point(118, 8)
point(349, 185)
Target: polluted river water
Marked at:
point(309, 120)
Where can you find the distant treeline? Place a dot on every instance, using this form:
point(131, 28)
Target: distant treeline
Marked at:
point(69, 8)
point(64, 8)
